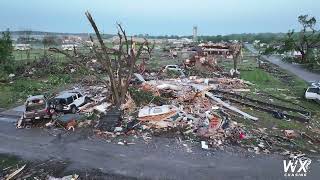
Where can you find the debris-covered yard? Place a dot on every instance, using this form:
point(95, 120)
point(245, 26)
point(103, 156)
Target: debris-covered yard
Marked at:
point(212, 95)
point(263, 111)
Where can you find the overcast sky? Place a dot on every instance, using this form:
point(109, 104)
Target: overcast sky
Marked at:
point(157, 17)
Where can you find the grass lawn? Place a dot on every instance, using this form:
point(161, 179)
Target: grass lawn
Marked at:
point(8, 161)
point(260, 78)
point(15, 93)
point(34, 54)
point(45, 80)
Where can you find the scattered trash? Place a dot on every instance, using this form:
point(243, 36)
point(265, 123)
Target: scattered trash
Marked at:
point(204, 145)
point(102, 108)
point(121, 143)
point(118, 129)
point(109, 121)
point(210, 95)
point(291, 134)
point(242, 136)
point(157, 113)
point(71, 125)
point(70, 177)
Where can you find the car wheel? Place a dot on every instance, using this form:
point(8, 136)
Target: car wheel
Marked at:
point(73, 109)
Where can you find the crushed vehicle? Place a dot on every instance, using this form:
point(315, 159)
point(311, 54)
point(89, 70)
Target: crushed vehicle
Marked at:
point(69, 101)
point(36, 109)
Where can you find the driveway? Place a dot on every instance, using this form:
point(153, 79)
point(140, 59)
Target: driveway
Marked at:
point(161, 158)
point(293, 68)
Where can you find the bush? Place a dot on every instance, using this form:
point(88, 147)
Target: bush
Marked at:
point(23, 88)
point(5, 47)
point(55, 80)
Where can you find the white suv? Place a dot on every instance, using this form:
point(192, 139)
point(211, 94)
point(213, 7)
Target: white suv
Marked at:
point(69, 101)
point(313, 93)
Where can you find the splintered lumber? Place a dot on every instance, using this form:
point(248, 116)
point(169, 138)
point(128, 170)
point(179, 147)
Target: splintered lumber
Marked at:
point(218, 100)
point(226, 105)
point(16, 172)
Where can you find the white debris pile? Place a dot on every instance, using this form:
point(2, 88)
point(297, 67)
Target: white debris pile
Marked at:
point(99, 99)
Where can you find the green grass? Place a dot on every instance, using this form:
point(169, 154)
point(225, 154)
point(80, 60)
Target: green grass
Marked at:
point(8, 161)
point(259, 78)
point(15, 93)
point(34, 54)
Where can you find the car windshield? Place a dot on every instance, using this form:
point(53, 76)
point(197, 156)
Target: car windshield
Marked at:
point(61, 101)
point(64, 101)
point(313, 90)
point(34, 107)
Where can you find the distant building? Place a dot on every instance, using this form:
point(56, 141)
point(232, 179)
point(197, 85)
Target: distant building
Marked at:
point(116, 40)
point(215, 49)
point(22, 47)
point(195, 33)
point(68, 47)
point(72, 39)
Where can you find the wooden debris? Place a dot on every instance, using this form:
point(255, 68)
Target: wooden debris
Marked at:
point(218, 100)
point(15, 173)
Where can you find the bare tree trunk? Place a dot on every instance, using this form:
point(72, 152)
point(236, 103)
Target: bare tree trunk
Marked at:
point(303, 56)
point(107, 59)
point(235, 63)
point(44, 50)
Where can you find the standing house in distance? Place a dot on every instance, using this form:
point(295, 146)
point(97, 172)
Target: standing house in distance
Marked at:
point(68, 47)
point(22, 47)
point(216, 49)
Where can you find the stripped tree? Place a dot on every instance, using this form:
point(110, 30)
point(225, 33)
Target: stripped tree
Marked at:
point(146, 55)
point(236, 50)
point(119, 64)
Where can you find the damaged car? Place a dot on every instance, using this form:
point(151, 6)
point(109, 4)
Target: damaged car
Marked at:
point(69, 101)
point(37, 108)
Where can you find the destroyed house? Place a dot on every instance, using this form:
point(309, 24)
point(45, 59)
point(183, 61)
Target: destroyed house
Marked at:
point(215, 49)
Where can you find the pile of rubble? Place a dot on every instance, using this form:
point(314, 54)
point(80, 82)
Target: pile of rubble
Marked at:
point(188, 106)
point(99, 96)
point(191, 109)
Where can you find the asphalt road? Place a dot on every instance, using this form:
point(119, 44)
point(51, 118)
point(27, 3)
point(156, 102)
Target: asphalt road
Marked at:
point(161, 158)
point(293, 68)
